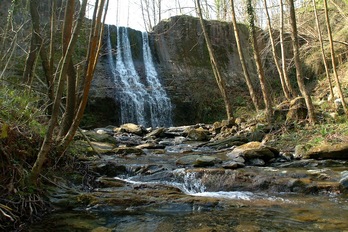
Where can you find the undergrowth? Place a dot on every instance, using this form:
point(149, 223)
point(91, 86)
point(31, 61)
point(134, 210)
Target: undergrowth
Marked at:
point(22, 126)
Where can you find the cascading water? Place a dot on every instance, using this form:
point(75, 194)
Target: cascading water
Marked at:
point(131, 93)
point(160, 106)
point(141, 103)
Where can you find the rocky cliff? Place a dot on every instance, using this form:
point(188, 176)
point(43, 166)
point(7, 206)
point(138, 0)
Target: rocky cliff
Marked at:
point(183, 65)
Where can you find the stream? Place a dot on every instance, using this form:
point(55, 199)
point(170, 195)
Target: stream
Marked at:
point(160, 190)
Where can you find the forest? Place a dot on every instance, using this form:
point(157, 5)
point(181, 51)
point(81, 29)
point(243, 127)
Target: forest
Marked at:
point(50, 54)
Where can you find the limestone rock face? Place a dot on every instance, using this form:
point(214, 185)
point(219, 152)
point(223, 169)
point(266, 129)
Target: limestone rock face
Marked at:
point(183, 65)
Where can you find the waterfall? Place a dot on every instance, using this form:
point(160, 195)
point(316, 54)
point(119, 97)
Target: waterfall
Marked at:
point(147, 103)
point(160, 106)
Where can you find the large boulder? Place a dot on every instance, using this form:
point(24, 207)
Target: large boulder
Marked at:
point(252, 151)
point(132, 128)
point(297, 110)
point(327, 151)
point(198, 134)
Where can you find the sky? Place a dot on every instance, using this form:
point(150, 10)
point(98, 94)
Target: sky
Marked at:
point(128, 12)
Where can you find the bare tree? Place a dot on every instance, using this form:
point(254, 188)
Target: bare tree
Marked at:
point(275, 57)
point(282, 49)
point(242, 59)
point(261, 74)
point(91, 60)
point(298, 65)
point(342, 12)
point(332, 51)
point(214, 64)
point(322, 48)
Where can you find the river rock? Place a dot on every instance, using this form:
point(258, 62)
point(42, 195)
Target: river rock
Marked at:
point(128, 151)
point(198, 134)
point(256, 162)
point(102, 148)
point(227, 142)
point(187, 160)
point(128, 139)
point(132, 128)
point(150, 145)
point(205, 161)
point(100, 136)
point(159, 132)
point(252, 150)
point(109, 169)
point(325, 151)
point(233, 165)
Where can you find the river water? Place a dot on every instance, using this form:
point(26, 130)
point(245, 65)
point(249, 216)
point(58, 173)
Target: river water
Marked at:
point(153, 194)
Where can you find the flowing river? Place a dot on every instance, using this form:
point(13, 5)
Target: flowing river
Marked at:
point(153, 192)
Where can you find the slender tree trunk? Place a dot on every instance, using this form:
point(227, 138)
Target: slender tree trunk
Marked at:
point(217, 73)
point(68, 117)
point(332, 50)
point(282, 49)
point(92, 57)
point(30, 61)
point(275, 57)
point(260, 71)
point(322, 49)
point(242, 59)
point(298, 65)
point(48, 139)
point(52, 53)
point(37, 45)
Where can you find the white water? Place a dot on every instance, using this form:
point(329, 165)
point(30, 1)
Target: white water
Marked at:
point(160, 106)
point(190, 184)
point(141, 103)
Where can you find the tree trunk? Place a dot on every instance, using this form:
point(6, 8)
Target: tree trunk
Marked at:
point(37, 46)
point(242, 59)
point(282, 48)
point(48, 139)
point(52, 54)
point(30, 61)
point(219, 79)
point(297, 60)
point(275, 57)
point(92, 57)
point(260, 71)
point(322, 49)
point(332, 50)
point(68, 117)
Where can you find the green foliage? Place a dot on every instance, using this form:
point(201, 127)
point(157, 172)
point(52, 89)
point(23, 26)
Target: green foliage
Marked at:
point(19, 107)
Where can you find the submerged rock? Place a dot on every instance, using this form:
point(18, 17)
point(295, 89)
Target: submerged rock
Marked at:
point(128, 151)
